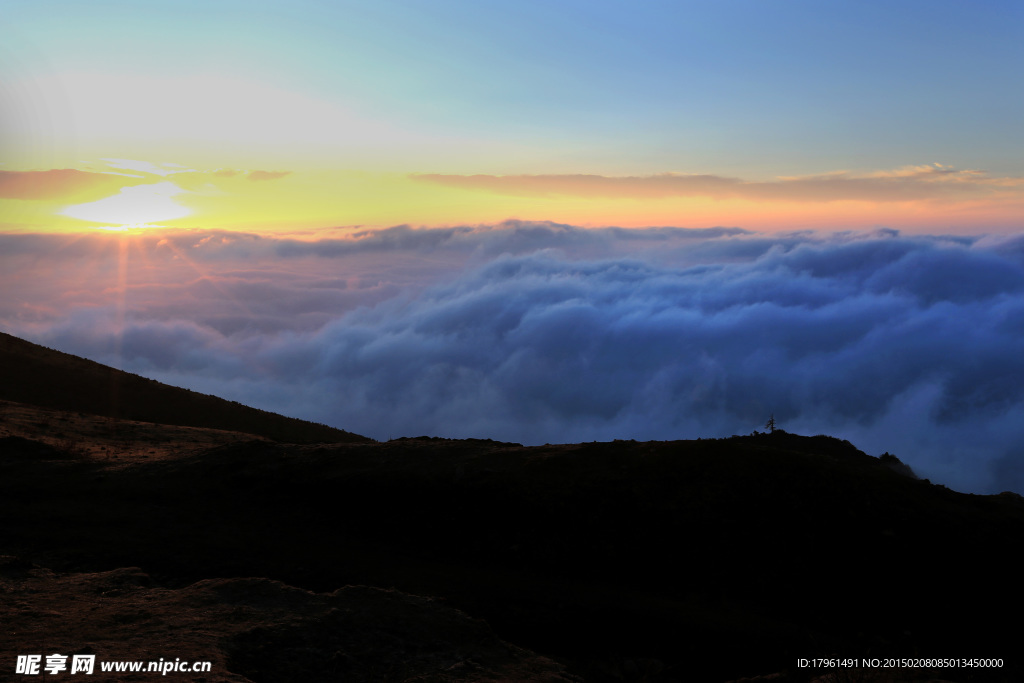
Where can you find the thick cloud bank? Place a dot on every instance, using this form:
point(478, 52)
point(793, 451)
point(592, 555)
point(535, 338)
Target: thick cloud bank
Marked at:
point(543, 333)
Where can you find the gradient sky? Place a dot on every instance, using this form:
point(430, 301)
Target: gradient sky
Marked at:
point(807, 114)
point(535, 221)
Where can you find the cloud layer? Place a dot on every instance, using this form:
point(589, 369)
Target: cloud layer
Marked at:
point(537, 332)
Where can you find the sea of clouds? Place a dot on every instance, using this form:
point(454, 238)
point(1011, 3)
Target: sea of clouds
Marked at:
point(539, 332)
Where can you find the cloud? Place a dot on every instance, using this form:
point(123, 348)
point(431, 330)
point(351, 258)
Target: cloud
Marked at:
point(57, 184)
point(160, 169)
point(542, 332)
point(912, 183)
point(456, 244)
point(267, 175)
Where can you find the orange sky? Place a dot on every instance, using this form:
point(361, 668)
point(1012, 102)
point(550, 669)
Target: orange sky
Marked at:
point(119, 193)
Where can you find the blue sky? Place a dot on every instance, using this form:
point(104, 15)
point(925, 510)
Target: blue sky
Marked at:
point(756, 89)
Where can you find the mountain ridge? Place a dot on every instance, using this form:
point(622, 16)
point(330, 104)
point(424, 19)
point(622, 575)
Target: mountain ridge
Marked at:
point(34, 374)
point(623, 561)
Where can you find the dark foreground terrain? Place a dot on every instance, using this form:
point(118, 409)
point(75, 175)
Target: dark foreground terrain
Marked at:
point(426, 559)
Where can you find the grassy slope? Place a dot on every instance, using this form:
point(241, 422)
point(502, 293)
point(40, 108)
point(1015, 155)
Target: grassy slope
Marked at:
point(36, 375)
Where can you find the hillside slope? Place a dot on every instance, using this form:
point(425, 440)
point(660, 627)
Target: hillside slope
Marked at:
point(36, 375)
point(663, 562)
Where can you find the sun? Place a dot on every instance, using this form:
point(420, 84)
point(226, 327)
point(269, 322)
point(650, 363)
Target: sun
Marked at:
point(134, 207)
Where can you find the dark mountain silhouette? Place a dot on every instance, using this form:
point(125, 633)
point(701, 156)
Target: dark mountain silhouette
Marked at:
point(706, 560)
point(39, 376)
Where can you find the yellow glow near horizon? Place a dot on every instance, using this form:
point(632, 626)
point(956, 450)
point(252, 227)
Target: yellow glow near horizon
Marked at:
point(309, 203)
point(135, 206)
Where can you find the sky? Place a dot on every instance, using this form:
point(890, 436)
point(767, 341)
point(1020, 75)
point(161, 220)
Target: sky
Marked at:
point(535, 221)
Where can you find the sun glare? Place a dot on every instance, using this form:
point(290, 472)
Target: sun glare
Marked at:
point(134, 207)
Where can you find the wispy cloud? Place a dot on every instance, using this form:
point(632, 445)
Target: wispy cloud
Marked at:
point(267, 175)
point(57, 184)
point(911, 183)
point(160, 169)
